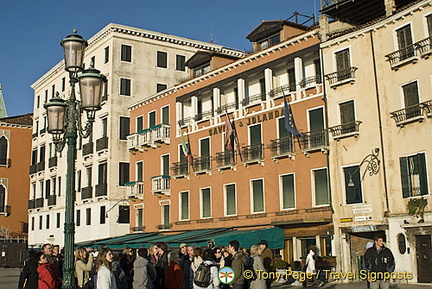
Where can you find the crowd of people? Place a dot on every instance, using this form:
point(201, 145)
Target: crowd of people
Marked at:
point(157, 267)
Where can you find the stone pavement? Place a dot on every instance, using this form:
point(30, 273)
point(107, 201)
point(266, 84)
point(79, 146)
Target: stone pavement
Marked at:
point(9, 278)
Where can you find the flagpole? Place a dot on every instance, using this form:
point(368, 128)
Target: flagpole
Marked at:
point(296, 136)
point(235, 135)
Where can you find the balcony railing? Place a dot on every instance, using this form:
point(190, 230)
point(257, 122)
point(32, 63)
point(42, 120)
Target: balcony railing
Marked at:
point(204, 115)
point(180, 169)
point(35, 134)
point(403, 56)
point(39, 203)
point(341, 76)
point(132, 142)
point(345, 130)
point(164, 226)
point(102, 143)
point(42, 131)
point(145, 138)
point(425, 47)
point(226, 107)
point(314, 140)
point(253, 153)
point(52, 200)
point(412, 113)
point(52, 162)
point(31, 204)
point(161, 133)
point(86, 193)
point(101, 190)
point(279, 91)
point(33, 168)
point(253, 99)
point(161, 185)
point(225, 159)
point(282, 147)
point(40, 166)
point(202, 164)
point(185, 121)
point(5, 210)
point(310, 81)
point(135, 190)
point(87, 149)
point(138, 229)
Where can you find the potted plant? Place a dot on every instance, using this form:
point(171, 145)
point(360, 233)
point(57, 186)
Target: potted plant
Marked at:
point(416, 207)
point(281, 267)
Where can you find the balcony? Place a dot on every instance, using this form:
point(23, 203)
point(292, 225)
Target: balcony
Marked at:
point(102, 143)
point(31, 204)
point(133, 143)
point(52, 200)
point(138, 229)
point(52, 162)
point(180, 169)
point(425, 47)
point(135, 190)
point(225, 160)
point(40, 166)
point(161, 133)
point(185, 121)
point(5, 210)
point(161, 185)
point(33, 168)
point(35, 134)
point(39, 203)
point(164, 226)
point(101, 190)
point(226, 107)
point(145, 138)
point(281, 148)
point(253, 153)
point(345, 130)
point(280, 91)
point(202, 164)
point(310, 81)
point(86, 193)
point(42, 131)
point(314, 141)
point(341, 77)
point(412, 113)
point(403, 56)
point(205, 115)
point(253, 99)
point(87, 149)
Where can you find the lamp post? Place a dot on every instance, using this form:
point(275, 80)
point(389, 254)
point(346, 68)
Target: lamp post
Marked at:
point(372, 166)
point(64, 123)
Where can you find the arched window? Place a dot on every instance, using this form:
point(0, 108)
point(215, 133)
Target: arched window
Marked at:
point(2, 199)
point(3, 150)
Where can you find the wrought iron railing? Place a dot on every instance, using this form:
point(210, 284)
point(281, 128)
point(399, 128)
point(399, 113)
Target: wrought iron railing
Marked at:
point(86, 193)
point(33, 168)
point(346, 128)
point(425, 46)
point(31, 204)
point(101, 189)
point(52, 162)
point(40, 166)
point(410, 52)
point(102, 143)
point(310, 81)
point(253, 153)
point(226, 107)
point(282, 147)
point(412, 112)
point(253, 99)
point(185, 120)
point(279, 91)
point(202, 164)
point(204, 115)
point(138, 229)
point(180, 169)
point(314, 140)
point(52, 200)
point(164, 226)
point(39, 203)
point(225, 159)
point(135, 189)
point(341, 76)
point(161, 184)
point(87, 149)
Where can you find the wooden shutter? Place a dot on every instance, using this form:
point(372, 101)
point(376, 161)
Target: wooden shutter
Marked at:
point(343, 60)
point(206, 213)
point(347, 112)
point(423, 174)
point(123, 216)
point(406, 183)
point(410, 94)
point(429, 24)
point(258, 196)
point(404, 36)
point(288, 192)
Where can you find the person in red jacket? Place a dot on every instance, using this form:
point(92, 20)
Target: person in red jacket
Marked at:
point(46, 279)
point(173, 274)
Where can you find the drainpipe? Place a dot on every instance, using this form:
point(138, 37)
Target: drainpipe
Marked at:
point(387, 212)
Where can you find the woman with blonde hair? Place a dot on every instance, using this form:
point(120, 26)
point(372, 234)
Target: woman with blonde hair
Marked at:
point(258, 266)
point(153, 254)
point(83, 266)
point(105, 275)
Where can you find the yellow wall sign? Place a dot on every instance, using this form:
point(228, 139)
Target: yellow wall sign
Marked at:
point(346, 220)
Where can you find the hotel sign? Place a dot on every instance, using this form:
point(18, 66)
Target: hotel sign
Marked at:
point(362, 209)
point(360, 229)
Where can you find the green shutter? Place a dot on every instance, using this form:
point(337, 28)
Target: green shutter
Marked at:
point(206, 209)
point(410, 94)
point(423, 174)
point(406, 184)
point(404, 36)
point(288, 200)
point(321, 187)
point(347, 112)
point(258, 196)
point(292, 80)
point(230, 200)
point(343, 60)
point(165, 115)
point(184, 205)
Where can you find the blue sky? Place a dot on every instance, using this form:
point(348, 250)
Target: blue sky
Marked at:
point(30, 30)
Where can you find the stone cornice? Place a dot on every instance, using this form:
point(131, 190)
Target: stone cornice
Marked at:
point(285, 44)
point(6, 124)
point(384, 23)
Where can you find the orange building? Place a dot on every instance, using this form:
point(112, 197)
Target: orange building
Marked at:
point(186, 175)
point(15, 152)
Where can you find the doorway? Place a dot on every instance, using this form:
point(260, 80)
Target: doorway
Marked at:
point(424, 265)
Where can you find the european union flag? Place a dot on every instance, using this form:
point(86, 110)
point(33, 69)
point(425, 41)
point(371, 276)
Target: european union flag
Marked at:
point(289, 119)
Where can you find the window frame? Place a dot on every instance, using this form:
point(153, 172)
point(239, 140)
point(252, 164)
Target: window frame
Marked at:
point(126, 176)
point(182, 66)
point(123, 134)
point(345, 182)
point(181, 217)
point(202, 203)
point(226, 200)
point(126, 53)
point(124, 81)
point(313, 182)
point(281, 191)
point(164, 63)
point(252, 196)
point(423, 177)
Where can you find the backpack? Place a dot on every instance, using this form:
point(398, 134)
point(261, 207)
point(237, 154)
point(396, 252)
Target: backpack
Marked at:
point(202, 275)
point(249, 266)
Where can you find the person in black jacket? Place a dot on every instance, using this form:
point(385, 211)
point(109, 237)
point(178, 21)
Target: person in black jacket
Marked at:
point(379, 260)
point(29, 275)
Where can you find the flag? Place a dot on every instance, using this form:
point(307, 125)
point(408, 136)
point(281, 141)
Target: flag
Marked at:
point(185, 146)
point(229, 134)
point(289, 119)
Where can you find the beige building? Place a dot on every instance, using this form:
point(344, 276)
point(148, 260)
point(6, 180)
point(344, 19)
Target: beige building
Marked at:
point(378, 83)
point(137, 63)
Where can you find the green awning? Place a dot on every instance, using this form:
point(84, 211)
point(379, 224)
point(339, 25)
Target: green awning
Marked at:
point(247, 238)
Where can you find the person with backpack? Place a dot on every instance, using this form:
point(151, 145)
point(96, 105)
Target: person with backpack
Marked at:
point(173, 273)
point(46, 278)
point(255, 264)
point(238, 264)
point(206, 275)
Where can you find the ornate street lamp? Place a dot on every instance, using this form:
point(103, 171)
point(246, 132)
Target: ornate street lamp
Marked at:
point(372, 166)
point(64, 123)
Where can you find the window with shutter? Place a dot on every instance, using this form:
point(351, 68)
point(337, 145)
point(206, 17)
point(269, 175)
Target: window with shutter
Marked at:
point(292, 80)
point(125, 86)
point(343, 64)
point(166, 216)
point(78, 218)
point(162, 59)
point(231, 208)
point(3, 150)
point(180, 62)
point(152, 119)
point(429, 24)
point(126, 53)
point(184, 205)
point(288, 196)
point(206, 205)
point(404, 40)
point(321, 187)
point(258, 196)
point(102, 215)
point(2, 199)
point(165, 165)
point(123, 173)
point(139, 218)
point(411, 99)
point(353, 188)
point(139, 172)
point(88, 216)
point(124, 127)
point(102, 174)
point(165, 115)
point(123, 216)
point(347, 116)
point(414, 175)
point(106, 54)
